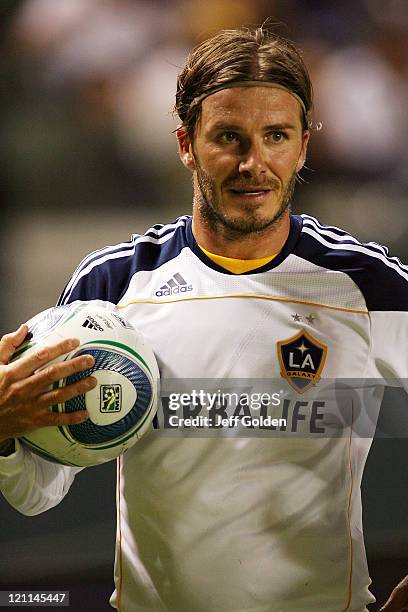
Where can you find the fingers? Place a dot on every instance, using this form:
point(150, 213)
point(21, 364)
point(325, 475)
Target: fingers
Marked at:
point(29, 422)
point(10, 342)
point(63, 394)
point(26, 385)
point(41, 381)
point(64, 419)
point(27, 415)
point(46, 418)
point(36, 390)
point(26, 366)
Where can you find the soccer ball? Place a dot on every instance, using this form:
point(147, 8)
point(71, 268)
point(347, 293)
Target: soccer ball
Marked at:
point(122, 405)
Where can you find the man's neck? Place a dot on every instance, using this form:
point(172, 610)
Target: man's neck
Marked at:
point(250, 246)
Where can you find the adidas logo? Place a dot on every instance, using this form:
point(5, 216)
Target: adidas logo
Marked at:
point(176, 284)
point(90, 323)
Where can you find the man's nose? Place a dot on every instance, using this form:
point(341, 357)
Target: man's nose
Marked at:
point(253, 160)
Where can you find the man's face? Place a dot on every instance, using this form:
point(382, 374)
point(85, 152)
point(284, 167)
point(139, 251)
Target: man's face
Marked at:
point(247, 148)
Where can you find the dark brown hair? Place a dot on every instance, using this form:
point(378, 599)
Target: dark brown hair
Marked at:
point(241, 55)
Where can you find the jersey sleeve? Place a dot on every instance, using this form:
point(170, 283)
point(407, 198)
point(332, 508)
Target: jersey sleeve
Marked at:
point(105, 274)
point(31, 484)
point(383, 282)
point(387, 299)
point(389, 347)
point(102, 275)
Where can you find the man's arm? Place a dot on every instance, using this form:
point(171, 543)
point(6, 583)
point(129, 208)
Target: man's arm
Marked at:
point(32, 484)
point(390, 362)
point(398, 600)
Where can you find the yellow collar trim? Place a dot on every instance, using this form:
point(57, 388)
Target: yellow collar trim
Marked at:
point(237, 266)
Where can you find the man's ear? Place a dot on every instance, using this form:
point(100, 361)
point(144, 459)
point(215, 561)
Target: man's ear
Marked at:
point(185, 148)
point(303, 150)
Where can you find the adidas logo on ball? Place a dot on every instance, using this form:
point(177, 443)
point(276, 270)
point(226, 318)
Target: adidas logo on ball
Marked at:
point(176, 284)
point(90, 323)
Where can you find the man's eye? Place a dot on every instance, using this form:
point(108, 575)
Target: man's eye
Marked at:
point(229, 137)
point(277, 136)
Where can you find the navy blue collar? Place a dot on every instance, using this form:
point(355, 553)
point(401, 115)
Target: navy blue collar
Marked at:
point(294, 231)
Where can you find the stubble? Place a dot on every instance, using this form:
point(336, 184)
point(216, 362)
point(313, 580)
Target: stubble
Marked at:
point(206, 201)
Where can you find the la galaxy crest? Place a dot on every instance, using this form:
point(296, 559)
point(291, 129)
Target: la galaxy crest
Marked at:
point(301, 359)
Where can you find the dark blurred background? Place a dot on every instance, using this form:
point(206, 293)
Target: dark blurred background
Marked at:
point(88, 157)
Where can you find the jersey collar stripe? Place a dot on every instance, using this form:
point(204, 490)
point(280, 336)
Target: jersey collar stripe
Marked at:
point(105, 255)
point(160, 229)
point(313, 220)
point(350, 239)
point(359, 248)
point(347, 239)
point(106, 249)
point(327, 230)
point(84, 271)
point(165, 229)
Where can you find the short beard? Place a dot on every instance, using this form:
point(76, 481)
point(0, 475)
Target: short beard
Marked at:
point(206, 201)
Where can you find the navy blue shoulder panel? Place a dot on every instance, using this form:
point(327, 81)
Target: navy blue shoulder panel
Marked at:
point(106, 274)
point(383, 280)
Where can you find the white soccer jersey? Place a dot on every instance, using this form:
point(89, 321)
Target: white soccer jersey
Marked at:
point(264, 522)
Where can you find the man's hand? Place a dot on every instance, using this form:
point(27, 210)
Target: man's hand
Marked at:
point(398, 600)
point(25, 395)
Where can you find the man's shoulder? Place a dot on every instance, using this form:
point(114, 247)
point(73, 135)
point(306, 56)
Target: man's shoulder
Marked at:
point(159, 238)
point(382, 278)
point(104, 273)
point(142, 249)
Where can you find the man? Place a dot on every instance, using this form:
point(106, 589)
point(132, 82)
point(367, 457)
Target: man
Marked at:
point(260, 524)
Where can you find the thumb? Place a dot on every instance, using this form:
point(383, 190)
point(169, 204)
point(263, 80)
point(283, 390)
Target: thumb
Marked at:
point(10, 342)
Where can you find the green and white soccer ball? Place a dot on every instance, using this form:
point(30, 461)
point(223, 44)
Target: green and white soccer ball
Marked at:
point(122, 405)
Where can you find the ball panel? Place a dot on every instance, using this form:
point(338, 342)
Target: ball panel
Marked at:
point(114, 396)
point(38, 449)
point(89, 432)
point(44, 323)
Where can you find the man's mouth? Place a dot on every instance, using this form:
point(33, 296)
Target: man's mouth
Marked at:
point(251, 190)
